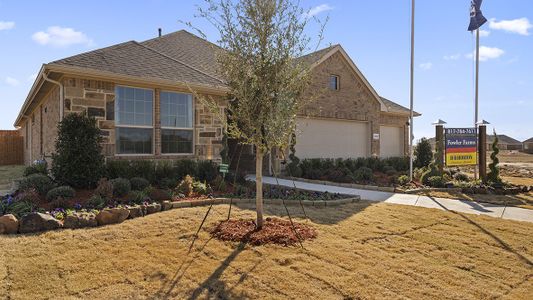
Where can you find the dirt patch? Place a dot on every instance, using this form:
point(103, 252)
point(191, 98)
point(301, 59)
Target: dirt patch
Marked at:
point(274, 231)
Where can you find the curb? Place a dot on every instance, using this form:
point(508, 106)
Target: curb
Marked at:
point(317, 203)
point(389, 189)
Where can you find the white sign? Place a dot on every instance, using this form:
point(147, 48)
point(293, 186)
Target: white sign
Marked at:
point(375, 136)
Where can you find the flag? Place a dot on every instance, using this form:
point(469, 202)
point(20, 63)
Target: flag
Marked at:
point(476, 17)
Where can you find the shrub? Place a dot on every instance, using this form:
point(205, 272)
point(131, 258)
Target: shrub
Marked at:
point(78, 160)
point(436, 181)
point(185, 187)
point(363, 174)
point(121, 187)
point(459, 176)
point(185, 167)
point(20, 208)
point(119, 169)
point(138, 197)
point(494, 174)
point(60, 192)
point(38, 167)
point(207, 170)
point(139, 183)
point(165, 170)
point(167, 183)
point(60, 203)
point(104, 189)
point(397, 163)
point(96, 202)
point(199, 187)
point(144, 169)
point(41, 183)
point(423, 153)
point(30, 195)
point(403, 180)
point(389, 170)
point(293, 167)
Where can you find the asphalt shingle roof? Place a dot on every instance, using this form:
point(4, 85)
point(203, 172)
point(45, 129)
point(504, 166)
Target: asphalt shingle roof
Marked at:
point(395, 107)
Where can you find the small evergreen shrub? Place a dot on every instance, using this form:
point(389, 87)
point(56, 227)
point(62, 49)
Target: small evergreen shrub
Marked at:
point(119, 169)
point(184, 167)
point(139, 183)
point(41, 183)
point(121, 187)
point(459, 176)
point(165, 170)
point(20, 208)
point(403, 180)
point(139, 197)
point(423, 153)
point(363, 174)
point(167, 183)
point(143, 168)
point(494, 174)
point(96, 202)
point(199, 187)
point(61, 192)
point(78, 160)
point(38, 167)
point(207, 170)
point(104, 189)
point(436, 181)
point(30, 195)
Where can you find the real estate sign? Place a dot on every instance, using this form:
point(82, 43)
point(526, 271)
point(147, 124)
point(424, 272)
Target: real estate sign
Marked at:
point(461, 146)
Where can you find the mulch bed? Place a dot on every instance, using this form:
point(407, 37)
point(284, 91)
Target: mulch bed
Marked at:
point(274, 231)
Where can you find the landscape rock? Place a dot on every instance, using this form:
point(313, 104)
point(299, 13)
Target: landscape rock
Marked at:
point(136, 211)
point(112, 216)
point(80, 220)
point(153, 208)
point(9, 224)
point(166, 205)
point(35, 222)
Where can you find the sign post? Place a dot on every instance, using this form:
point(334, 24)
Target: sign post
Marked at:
point(461, 146)
point(223, 168)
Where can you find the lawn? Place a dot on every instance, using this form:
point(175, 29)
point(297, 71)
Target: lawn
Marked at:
point(363, 250)
point(522, 200)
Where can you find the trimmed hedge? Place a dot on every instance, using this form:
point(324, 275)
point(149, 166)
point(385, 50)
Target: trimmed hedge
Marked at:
point(64, 192)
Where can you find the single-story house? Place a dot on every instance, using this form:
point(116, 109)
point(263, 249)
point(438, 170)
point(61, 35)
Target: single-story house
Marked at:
point(528, 145)
point(140, 94)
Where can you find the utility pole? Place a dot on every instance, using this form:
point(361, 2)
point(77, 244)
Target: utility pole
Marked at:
point(411, 91)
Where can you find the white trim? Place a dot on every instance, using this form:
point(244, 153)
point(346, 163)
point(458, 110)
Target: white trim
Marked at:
point(338, 48)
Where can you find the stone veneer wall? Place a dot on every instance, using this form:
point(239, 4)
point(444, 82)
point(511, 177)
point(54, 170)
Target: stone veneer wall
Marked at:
point(97, 99)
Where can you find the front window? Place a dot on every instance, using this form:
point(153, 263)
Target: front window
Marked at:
point(134, 120)
point(176, 123)
point(334, 82)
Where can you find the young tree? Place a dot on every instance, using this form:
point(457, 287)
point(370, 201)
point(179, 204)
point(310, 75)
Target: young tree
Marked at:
point(260, 40)
point(494, 173)
point(78, 160)
point(423, 153)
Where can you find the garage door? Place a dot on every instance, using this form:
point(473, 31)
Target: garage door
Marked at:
point(391, 141)
point(318, 138)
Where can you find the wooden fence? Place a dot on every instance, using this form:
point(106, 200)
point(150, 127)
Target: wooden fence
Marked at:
point(11, 148)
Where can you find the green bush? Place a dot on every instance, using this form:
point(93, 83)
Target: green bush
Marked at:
point(207, 170)
point(121, 187)
point(20, 208)
point(96, 202)
point(423, 153)
point(363, 174)
point(436, 181)
point(38, 167)
point(78, 160)
point(184, 167)
point(165, 170)
point(199, 187)
point(139, 197)
point(63, 192)
point(389, 170)
point(459, 176)
point(139, 183)
point(494, 174)
point(143, 168)
point(119, 169)
point(41, 183)
point(403, 180)
point(167, 183)
point(104, 189)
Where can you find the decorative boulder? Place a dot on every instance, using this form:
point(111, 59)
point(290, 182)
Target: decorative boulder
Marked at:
point(80, 220)
point(35, 222)
point(153, 208)
point(166, 205)
point(135, 212)
point(9, 224)
point(112, 216)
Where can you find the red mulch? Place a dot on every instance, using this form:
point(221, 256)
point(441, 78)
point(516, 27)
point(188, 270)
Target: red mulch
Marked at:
point(274, 231)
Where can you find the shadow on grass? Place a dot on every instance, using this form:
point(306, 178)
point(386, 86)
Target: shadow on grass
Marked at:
point(501, 242)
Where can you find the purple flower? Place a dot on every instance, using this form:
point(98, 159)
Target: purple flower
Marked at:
point(77, 206)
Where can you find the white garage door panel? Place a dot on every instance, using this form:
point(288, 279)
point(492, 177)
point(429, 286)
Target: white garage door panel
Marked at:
point(318, 138)
point(391, 141)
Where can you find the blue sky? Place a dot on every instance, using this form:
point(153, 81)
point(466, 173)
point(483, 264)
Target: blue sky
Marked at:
point(374, 33)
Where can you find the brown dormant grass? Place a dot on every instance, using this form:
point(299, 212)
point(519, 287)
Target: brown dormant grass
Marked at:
point(522, 200)
point(362, 251)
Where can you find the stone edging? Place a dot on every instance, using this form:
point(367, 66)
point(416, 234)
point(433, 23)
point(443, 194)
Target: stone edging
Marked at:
point(346, 185)
point(41, 222)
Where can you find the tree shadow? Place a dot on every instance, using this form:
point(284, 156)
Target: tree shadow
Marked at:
point(501, 242)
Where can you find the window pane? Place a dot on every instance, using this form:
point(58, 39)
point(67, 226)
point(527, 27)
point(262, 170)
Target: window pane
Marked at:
point(134, 140)
point(176, 110)
point(333, 82)
point(136, 103)
point(176, 141)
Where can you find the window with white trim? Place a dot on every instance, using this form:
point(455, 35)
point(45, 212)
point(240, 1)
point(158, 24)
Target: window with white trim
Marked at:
point(334, 82)
point(176, 123)
point(134, 129)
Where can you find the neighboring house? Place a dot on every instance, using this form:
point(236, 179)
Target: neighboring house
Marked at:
point(141, 95)
point(528, 145)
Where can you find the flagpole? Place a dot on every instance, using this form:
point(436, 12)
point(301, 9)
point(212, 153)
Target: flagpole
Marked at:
point(476, 91)
point(411, 91)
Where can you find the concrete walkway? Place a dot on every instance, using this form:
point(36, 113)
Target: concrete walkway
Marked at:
point(464, 206)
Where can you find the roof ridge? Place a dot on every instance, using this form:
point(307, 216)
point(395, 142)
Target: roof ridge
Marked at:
point(178, 61)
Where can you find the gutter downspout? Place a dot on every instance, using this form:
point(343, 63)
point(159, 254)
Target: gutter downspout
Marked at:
point(61, 95)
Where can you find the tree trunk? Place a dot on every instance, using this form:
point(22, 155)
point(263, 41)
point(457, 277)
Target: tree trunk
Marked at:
point(259, 187)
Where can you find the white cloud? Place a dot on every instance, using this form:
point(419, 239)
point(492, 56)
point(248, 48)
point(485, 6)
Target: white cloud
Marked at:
point(6, 25)
point(61, 37)
point(318, 9)
point(520, 26)
point(484, 33)
point(426, 66)
point(12, 81)
point(486, 53)
point(452, 57)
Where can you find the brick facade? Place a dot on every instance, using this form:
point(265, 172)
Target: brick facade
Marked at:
point(96, 98)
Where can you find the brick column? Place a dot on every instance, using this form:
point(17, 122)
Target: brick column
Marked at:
point(157, 123)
